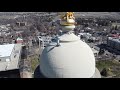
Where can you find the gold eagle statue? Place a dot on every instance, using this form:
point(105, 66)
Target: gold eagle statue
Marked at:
point(68, 19)
point(68, 15)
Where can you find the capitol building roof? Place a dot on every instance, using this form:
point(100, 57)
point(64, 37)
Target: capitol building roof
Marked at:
point(68, 57)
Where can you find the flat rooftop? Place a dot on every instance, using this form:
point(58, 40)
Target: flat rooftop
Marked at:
point(5, 50)
point(14, 63)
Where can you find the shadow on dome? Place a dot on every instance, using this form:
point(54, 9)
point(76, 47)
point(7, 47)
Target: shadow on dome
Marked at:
point(37, 73)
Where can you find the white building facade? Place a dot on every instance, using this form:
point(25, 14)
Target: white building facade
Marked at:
point(9, 56)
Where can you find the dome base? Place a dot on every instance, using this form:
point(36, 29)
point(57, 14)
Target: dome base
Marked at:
point(68, 28)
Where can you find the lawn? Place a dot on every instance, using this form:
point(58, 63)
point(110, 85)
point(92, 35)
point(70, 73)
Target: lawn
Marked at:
point(34, 62)
point(113, 65)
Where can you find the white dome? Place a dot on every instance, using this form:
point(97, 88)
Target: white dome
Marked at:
point(72, 59)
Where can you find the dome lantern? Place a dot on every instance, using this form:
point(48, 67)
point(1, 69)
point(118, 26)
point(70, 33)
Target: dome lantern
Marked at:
point(68, 56)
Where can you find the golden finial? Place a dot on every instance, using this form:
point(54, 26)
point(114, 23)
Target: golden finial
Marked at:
point(68, 15)
point(68, 18)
